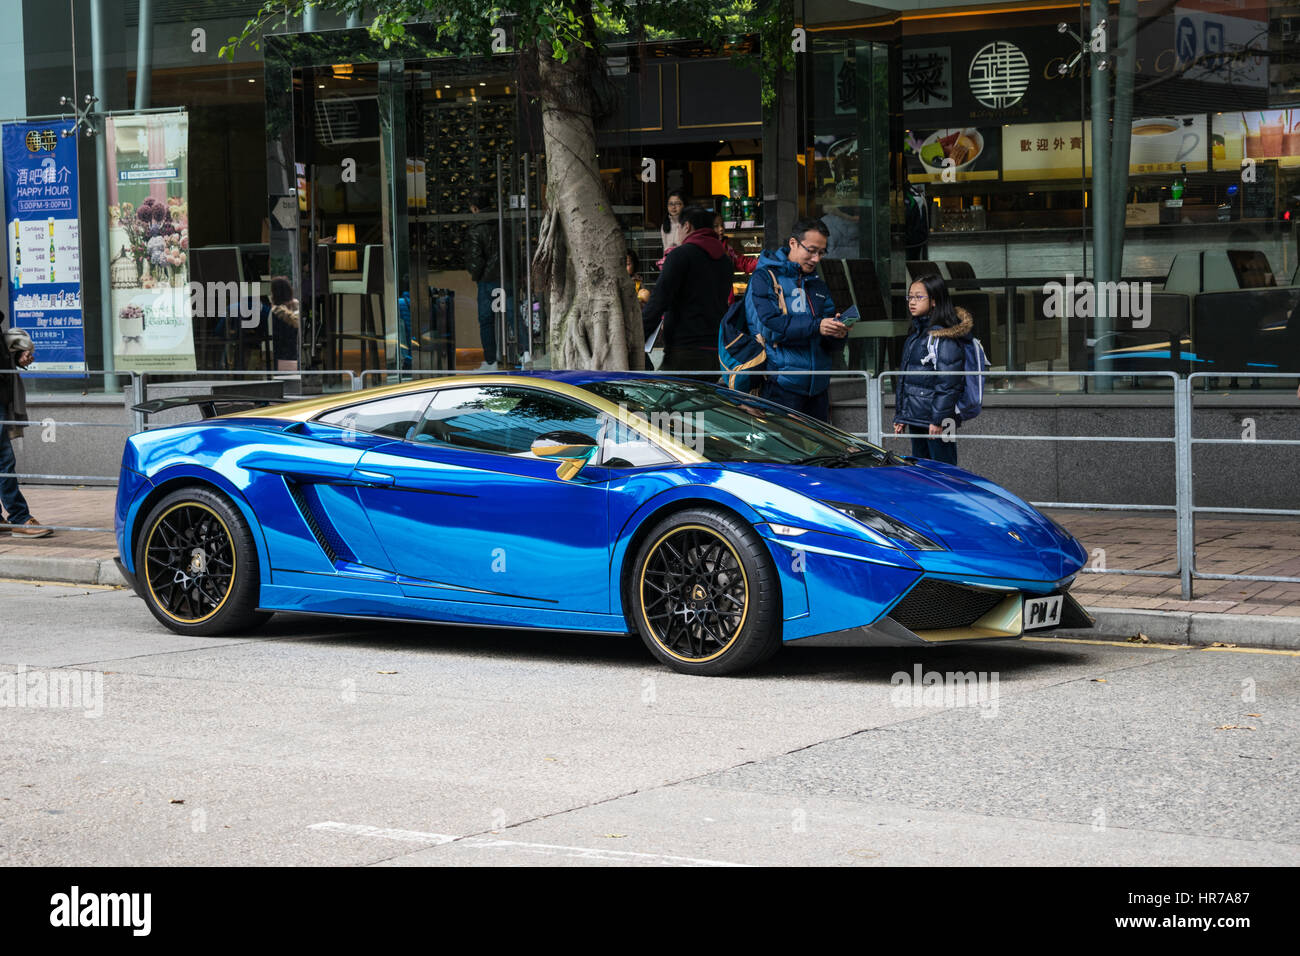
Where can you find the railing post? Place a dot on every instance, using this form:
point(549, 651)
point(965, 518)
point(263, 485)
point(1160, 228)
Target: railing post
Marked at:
point(1183, 483)
point(137, 398)
point(874, 413)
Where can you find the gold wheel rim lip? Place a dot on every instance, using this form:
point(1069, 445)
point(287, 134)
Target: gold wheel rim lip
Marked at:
point(234, 563)
point(744, 614)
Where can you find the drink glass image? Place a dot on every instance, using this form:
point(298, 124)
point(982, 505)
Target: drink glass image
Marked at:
point(1254, 149)
point(1291, 144)
point(1270, 138)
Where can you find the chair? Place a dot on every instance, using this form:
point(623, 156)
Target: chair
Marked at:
point(837, 280)
point(371, 284)
point(219, 270)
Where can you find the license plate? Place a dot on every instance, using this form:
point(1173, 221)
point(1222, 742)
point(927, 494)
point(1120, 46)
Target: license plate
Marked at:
point(1043, 612)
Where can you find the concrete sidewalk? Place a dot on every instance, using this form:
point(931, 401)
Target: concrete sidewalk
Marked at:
point(1252, 613)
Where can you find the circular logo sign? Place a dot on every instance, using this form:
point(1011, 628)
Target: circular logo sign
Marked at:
point(40, 140)
point(999, 75)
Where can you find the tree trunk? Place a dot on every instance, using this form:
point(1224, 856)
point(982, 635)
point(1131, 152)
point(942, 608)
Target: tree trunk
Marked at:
point(580, 261)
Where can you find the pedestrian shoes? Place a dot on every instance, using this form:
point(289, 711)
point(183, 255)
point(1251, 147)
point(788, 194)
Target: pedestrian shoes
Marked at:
point(31, 529)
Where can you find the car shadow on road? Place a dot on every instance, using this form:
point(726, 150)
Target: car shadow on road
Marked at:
point(867, 664)
point(1007, 658)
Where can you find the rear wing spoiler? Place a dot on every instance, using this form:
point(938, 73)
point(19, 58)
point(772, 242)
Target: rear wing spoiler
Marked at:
point(209, 405)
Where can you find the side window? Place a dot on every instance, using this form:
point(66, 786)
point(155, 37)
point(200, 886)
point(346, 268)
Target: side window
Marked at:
point(624, 447)
point(502, 418)
point(391, 417)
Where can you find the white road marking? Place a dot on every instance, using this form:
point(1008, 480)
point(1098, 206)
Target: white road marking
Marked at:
point(545, 849)
point(406, 836)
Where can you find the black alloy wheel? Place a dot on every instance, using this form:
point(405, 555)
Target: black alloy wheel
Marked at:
point(198, 565)
point(705, 595)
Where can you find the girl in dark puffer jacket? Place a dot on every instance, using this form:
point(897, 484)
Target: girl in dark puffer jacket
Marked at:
point(926, 405)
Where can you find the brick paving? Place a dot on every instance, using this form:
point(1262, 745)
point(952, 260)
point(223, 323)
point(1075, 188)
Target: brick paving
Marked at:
point(1239, 545)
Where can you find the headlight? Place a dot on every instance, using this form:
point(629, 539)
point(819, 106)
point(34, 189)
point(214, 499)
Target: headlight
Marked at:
point(885, 525)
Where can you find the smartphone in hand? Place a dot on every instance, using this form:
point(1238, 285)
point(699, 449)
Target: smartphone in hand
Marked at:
point(850, 315)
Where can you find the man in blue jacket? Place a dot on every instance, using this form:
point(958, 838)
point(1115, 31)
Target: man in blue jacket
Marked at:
point(797, 320)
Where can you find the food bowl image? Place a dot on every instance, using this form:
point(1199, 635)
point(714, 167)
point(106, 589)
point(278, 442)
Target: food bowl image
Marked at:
point(962, 146)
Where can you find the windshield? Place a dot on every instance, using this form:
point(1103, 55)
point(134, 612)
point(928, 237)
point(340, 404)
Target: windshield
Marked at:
point(723, 425)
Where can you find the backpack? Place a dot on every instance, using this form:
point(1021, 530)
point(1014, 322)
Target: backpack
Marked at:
point(740, 352)
point(970, 402)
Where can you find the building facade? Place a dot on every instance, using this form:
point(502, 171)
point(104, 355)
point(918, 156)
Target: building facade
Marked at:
point(1113, 198)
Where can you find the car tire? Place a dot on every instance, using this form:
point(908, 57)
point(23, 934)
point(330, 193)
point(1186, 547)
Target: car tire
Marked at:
point(196, 563)
point(704, 593)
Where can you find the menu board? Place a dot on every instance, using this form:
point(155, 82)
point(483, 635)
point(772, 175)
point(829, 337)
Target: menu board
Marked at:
point(1259, 198)
point(43, 240)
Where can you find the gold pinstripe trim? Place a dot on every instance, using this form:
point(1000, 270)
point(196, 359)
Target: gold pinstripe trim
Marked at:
point(310, 408)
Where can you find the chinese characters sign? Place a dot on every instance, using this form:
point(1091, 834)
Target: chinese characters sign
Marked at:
point(927, 78)
point(1046, 151)
point(43, 241)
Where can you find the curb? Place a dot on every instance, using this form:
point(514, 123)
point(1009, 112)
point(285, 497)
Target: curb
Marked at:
point(1191, 627)
point(35, 567)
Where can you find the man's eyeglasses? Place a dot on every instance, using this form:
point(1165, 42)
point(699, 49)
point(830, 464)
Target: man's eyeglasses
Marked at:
point(917, 298)
point(815, 252)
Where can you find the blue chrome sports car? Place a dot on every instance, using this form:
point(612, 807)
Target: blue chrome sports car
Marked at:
point(715, 524)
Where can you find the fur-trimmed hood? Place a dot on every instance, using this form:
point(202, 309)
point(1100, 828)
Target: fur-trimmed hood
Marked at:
point(964, 327)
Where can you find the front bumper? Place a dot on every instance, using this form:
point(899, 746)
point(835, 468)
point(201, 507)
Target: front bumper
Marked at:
point(940, 612)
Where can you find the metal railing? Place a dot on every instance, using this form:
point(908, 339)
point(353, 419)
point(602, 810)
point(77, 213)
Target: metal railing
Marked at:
point(56, 423)
point(1182, 404)
point(1193, 509)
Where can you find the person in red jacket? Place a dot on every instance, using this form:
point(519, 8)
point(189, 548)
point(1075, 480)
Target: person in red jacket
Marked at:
point(690, 297)
point(742, 263)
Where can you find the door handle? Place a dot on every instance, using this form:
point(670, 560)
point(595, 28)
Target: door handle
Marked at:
point(375, 478)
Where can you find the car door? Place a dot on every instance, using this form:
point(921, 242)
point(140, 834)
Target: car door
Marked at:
point(306, 497)
point(467, 513)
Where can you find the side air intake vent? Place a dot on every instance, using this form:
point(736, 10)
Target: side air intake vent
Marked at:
point(326, 535)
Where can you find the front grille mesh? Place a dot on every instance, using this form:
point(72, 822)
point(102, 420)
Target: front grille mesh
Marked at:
point(934, 605)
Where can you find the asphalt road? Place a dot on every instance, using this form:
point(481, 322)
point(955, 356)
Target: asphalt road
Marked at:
point(323, 742)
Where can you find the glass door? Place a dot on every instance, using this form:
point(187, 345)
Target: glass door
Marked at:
point(470, 230)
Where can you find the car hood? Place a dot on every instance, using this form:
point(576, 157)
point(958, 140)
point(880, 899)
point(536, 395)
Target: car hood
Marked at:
point(956, 509)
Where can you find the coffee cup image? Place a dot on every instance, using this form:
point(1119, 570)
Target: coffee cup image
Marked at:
point(1162, 140)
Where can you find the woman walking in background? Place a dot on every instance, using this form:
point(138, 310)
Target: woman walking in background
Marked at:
point(674, 230)
point(926, 405)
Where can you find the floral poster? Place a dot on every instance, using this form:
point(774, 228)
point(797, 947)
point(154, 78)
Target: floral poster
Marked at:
point(148, 240)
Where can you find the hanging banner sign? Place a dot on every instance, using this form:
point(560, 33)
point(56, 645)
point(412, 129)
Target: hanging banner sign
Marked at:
point(149, 242)
point(43, 239)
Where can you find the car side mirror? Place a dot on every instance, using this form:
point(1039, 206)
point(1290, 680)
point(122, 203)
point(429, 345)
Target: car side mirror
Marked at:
point(571, 449)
